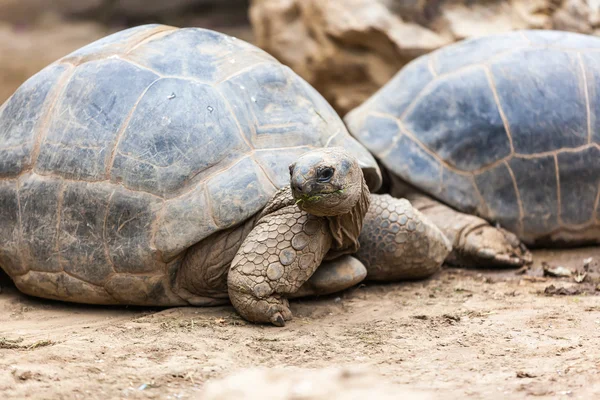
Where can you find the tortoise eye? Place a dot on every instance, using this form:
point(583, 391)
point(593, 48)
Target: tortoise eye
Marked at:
point(324, 175)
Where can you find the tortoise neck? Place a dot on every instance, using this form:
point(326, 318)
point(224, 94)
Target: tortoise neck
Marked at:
point(346, 228)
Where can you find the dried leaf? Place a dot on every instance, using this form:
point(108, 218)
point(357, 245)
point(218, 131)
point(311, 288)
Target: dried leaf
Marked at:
point(562, 291)
point(523, 374)
point(579, 276)
point(558, 271)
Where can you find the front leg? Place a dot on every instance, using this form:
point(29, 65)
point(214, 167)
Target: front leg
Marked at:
point(398, 243)
point(281, 253)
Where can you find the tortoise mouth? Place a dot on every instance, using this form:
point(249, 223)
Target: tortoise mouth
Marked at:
point(311, 198)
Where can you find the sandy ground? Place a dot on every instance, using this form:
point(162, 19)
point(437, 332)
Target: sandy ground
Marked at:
point(463, 334)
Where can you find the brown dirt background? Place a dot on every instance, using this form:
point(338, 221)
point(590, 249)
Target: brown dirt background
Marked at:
point(462, 334)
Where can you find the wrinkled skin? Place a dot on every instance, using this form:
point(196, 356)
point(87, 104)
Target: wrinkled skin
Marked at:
point(319, 219)
point(474, 241)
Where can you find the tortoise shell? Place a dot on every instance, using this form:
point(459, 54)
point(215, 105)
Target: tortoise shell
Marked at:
point(118, 157)
point(505, 126)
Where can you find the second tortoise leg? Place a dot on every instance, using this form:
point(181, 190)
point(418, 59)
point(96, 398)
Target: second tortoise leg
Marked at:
point(475, 242)
point(396, 243)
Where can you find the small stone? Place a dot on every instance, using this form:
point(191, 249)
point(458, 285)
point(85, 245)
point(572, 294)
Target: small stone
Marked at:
point(523, 374)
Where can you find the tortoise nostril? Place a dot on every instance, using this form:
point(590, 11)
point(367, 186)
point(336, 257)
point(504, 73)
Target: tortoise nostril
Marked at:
point(298, 187)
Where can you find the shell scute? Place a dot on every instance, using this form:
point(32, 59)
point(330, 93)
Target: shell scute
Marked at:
point(542, 90)
point(498, 190)
point(578, 196)
point(21, 118)
point(87, 116)
point(537, 186)
point(179, 130)
point(81, 242)
point(457, 118)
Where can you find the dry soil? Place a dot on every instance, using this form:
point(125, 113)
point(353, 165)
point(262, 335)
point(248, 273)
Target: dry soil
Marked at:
point(462, 334)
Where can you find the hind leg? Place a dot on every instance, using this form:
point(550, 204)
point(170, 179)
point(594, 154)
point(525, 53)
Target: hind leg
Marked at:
point(398, 243)
point(475, 242)
point(333, 276)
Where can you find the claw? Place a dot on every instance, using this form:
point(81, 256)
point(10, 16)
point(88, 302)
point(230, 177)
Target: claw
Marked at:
point(486, 253)
point(273, 309)
point(277, 320)
point(493, 246)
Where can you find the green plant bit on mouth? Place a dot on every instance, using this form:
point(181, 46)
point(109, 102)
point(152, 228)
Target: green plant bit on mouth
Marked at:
point(318, 196)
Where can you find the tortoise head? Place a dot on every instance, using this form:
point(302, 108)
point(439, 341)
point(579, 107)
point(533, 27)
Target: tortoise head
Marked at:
point(327, 182)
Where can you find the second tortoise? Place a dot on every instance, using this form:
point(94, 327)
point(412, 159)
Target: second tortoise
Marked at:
point(504, 129)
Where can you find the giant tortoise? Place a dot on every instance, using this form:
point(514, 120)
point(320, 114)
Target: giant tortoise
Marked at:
point(139, 168)
point(504, 127)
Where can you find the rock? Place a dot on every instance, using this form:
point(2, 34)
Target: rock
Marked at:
point(26, 50)
point(141, 8)
point(562, 290)
point(35, 33)
point(348, 49)
point(306, 384)
point(27, 10)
